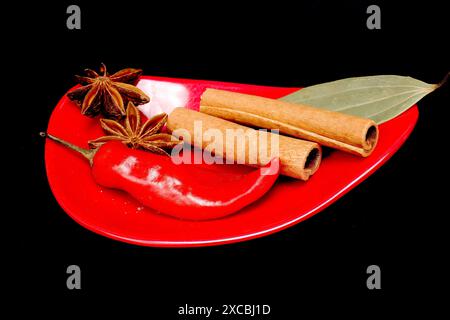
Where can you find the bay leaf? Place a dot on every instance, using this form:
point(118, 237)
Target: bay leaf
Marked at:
point(379, 98)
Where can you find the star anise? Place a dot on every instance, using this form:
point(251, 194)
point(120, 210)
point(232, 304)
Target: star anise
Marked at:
point(108, 94)
point(136, 135)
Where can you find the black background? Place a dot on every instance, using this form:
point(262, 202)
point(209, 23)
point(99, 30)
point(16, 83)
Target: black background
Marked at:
point(395, 219)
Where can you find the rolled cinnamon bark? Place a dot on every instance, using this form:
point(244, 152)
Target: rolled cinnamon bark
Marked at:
point(298, 158)
point(329, 128)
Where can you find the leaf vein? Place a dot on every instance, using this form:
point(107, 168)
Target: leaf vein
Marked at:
point(353, 89)
point(376, 100)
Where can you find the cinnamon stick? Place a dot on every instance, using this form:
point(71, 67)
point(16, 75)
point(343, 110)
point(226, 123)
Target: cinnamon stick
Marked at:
point(329, 128)
point(298, 158)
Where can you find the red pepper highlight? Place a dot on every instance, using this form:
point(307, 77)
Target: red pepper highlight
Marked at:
point(179, 190)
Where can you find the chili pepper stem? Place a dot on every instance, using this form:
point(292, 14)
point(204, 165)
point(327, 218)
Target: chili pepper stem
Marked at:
point(88, 154)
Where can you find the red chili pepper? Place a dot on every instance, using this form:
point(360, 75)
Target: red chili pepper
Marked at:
point(175, 189)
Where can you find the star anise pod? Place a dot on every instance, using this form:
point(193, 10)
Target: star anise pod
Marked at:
point(136, 135)
point(108, 94)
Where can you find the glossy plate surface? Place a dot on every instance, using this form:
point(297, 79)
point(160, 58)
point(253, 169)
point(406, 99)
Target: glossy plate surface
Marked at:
point(114, 214)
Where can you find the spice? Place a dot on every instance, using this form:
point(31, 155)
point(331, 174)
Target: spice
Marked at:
point(108, 94)
point(379, 98)
point(298, 158)
point(345, 132)
point(136, 135)
point(175, 190)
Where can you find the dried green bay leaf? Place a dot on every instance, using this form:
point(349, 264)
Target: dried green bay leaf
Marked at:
point(379, 98)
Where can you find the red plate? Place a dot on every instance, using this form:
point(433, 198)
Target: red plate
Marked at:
point(116, 215)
